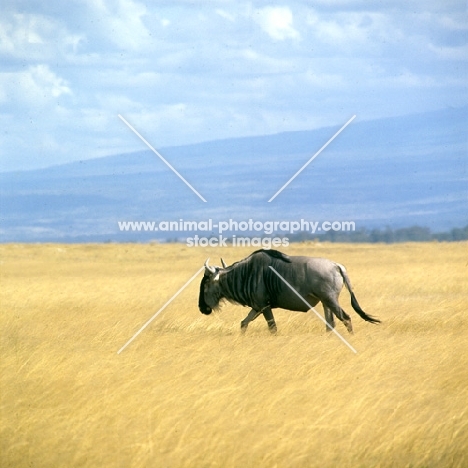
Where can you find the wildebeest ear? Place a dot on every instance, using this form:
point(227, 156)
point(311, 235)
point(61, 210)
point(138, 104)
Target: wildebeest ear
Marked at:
point(223, 263)
point(208, 268)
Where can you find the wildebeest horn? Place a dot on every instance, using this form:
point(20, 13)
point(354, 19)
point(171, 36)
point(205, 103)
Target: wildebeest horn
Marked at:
point(223, 263)
point(211, 269)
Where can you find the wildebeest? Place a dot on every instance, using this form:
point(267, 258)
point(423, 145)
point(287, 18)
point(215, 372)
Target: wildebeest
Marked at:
point(251, 282)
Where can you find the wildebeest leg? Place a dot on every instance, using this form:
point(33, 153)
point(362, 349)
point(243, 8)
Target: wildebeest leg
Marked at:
point(268, 314)
point(252, 315)
point(335, 308)
point(330, 318)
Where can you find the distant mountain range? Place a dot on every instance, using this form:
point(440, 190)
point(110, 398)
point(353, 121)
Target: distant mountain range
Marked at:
point(395, 172)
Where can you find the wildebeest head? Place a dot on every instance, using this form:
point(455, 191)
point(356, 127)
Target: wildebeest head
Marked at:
point(210, 294)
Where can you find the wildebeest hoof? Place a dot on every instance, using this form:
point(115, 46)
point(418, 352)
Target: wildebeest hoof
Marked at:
point(349, 326)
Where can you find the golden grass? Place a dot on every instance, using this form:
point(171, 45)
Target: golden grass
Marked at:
point(191, 392)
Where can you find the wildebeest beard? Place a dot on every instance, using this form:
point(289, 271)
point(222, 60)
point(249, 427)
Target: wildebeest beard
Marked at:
point(214, 299)
point(202, 305)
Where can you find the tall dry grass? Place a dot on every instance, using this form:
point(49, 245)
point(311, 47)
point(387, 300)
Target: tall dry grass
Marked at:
point(191, 392)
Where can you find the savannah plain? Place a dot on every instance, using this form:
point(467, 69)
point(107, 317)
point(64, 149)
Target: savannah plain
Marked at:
point(190, 391)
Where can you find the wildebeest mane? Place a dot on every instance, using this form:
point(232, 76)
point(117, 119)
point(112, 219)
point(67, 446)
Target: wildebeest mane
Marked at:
point(273, 254)
point(242, 281)
point(270, 252)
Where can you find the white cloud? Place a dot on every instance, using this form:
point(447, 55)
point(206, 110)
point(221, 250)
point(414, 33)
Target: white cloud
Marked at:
point(451, 53)
point(36, 86)
point(324, 80)
point(121, 22)
point(454, 23)
point(277, 22)
point(226, 15)
point(187, 73)
point(36, 37)
point(257, 62)
point(406, 79)
point(353, 29)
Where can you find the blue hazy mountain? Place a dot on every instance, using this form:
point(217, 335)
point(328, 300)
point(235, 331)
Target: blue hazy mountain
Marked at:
point(392, 172)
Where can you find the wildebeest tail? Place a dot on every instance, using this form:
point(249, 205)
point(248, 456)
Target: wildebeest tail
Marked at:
point(354, 302)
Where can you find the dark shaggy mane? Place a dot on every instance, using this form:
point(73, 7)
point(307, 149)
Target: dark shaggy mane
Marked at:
point(241, 281)
point(273, 254)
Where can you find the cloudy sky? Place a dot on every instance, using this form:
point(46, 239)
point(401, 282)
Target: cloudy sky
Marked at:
point(185, 71)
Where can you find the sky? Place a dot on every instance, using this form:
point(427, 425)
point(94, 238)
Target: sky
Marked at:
point(183, 71)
